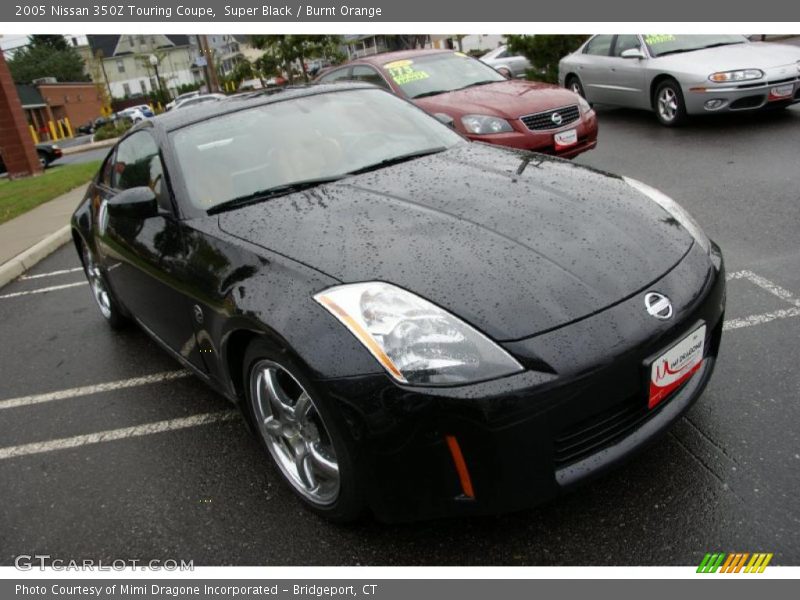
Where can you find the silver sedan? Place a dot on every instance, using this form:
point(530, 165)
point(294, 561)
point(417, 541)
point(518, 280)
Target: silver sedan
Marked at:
point(509, 64)
point(680, 75)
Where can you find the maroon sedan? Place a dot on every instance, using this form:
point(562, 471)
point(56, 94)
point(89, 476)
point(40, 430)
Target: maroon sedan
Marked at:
point(480, 102)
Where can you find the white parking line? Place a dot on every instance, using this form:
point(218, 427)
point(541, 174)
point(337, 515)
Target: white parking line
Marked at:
point(52, 288)
point(772, 288)
point(760, 319)
point(92, 389)
point(50, 274)
point(117, 434)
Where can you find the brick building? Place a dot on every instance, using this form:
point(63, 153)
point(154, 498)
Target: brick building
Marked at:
point(80, 102)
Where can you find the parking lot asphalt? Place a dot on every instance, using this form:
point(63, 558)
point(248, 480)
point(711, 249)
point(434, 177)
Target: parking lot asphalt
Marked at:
point(156, 466)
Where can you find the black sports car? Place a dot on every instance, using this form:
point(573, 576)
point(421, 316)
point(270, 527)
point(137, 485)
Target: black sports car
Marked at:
point(411, 323)
point(46, 151)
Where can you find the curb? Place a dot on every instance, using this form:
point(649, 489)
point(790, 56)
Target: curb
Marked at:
point(23, 261)
point(90, 146)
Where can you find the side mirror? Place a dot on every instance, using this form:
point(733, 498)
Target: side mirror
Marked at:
point(446, 119)
point(633, 53)
point(134, 203)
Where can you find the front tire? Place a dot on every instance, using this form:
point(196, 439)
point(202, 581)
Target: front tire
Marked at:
point(302, 434)
point(669, 104)
point(103, 297)
point(574, 85)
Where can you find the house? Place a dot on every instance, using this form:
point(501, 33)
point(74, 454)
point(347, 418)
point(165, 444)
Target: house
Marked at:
point(123, 63)
point(226, 49)
point(356, 46)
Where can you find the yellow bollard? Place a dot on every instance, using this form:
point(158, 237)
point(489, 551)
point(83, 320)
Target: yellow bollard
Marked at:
point(53, 134)
point(69, 127)
point(34, 135)
point(61, 129)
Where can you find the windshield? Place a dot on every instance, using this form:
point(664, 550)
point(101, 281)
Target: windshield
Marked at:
point(431, 74)
point(660, 44)
point(318, 137)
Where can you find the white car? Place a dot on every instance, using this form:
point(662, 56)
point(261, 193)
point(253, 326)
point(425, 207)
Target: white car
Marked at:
point(199, 99)
point(505, 62)
point(137, 113)
point(181, 98)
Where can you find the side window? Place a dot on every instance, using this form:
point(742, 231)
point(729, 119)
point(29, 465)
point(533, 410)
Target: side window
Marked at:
point(370, 75)
point(599, 45)
point(107, 170)
point(626, 42)
point(337, 75)
point(137, 163)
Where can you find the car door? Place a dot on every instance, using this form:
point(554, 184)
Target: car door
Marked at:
point(593, 67)
point(628, 74)
point(146, 262)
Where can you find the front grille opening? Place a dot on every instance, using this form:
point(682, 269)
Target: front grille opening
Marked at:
point(748, 102)
point(601, 430)
point(604, 429)
point(544, 120)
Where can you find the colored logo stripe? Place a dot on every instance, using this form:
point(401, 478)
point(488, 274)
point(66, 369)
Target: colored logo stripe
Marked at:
point(733, 563)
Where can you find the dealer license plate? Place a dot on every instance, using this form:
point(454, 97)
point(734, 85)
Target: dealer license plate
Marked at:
point(670, 370)
point(566, 138)
point(781, 91)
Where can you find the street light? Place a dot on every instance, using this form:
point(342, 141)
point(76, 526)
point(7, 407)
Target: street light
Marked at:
point(154, 63)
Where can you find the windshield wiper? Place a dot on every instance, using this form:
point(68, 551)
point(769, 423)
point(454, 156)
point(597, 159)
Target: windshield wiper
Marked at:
point(398, 159)
point(431, 93)
point(718, 44)
point(477, 83)
point(273, 192)
point(678, 51)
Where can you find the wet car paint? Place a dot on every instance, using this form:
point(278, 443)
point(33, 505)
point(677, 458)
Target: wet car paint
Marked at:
point(257, 284)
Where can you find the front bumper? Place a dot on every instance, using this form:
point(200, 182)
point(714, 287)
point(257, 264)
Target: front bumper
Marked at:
point(578, 409)
point(709, 98)
point(543, 140)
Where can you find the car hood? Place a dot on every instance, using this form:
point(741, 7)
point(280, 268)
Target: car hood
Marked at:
point(730, 58)
point(509, 99)
point(513, 254)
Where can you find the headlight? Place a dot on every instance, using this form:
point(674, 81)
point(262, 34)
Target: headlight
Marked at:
point(417, 342)
point(583, 105)
point(673, 208)
point(484, 124)
point(740, 75)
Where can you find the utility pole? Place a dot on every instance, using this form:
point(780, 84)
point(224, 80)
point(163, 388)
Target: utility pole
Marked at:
point(212, 82)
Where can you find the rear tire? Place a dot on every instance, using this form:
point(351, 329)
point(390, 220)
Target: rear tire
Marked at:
point(108, 305)
point(302, 432)
point(669, 105)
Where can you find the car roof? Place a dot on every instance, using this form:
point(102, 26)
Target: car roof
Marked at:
point(172, 120)
point(379, 60)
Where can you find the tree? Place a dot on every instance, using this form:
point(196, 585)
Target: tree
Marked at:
point(292, 51)
point(47, 56)
point(544, 51)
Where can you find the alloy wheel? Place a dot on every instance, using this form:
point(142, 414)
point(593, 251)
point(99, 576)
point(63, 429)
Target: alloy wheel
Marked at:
point(294, 432)
point(668, 104)
point(96, 282)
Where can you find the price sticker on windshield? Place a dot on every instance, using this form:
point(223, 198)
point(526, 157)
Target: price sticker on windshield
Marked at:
point(403, 72)
point(651, 39)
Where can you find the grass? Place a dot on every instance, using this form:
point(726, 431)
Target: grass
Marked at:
point(21, 195)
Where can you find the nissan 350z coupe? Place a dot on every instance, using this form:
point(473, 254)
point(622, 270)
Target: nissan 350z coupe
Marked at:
point(413, 324)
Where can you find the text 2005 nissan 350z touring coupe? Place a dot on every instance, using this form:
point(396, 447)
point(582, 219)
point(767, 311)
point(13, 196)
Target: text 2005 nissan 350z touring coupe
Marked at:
point(413, 324)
